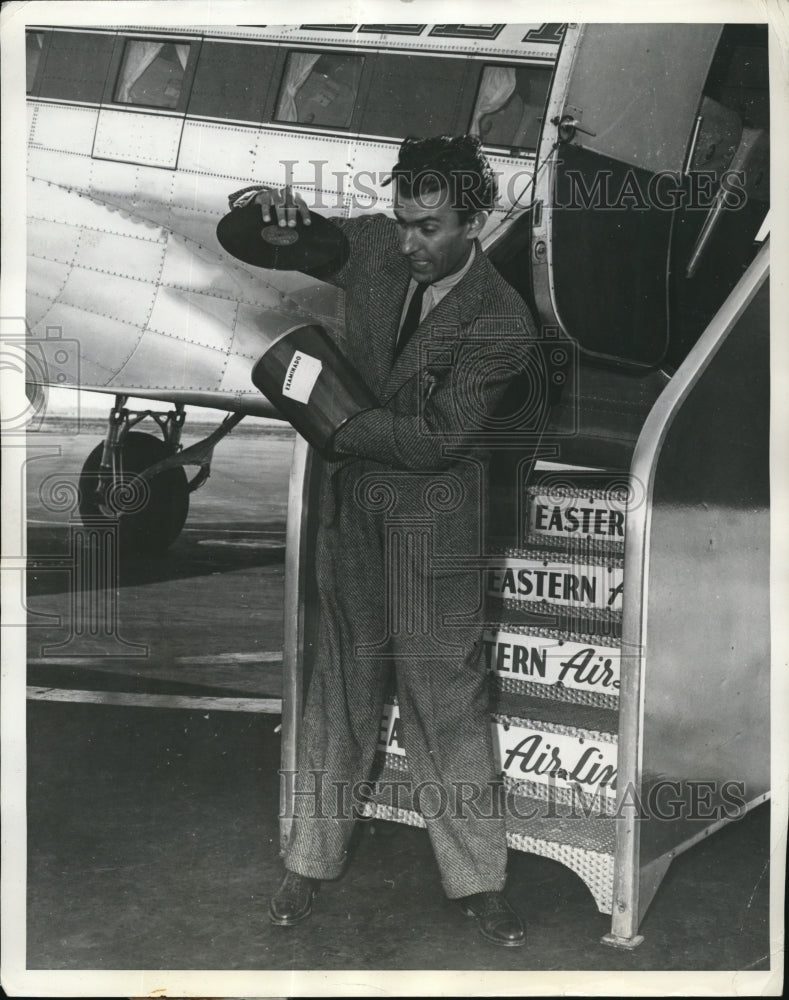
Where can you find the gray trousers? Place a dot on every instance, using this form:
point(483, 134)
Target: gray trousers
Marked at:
point(382, 608)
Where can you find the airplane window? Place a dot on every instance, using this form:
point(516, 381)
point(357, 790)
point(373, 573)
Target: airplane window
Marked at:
point(510, 105)
point(152, 73)
point(319, 89)
point(232, 80)
point(415, 95)
point(34, 42)
point(73, 65)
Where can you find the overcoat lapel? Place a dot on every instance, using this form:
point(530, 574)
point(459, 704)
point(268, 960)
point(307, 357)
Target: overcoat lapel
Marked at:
point(386, 297)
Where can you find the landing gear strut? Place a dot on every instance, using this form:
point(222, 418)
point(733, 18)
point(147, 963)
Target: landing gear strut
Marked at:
point(139, 480)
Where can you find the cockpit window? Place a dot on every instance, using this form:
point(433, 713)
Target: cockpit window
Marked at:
point(319, 89)
point(510, 106)
point(34, 41)
point(152, 73)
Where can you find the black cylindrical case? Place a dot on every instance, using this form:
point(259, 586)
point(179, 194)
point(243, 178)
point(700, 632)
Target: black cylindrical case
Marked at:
point(313, 385)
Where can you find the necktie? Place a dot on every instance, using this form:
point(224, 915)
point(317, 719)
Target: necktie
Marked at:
point(411, 321)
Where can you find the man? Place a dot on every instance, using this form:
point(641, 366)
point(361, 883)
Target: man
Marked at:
point(431, 326)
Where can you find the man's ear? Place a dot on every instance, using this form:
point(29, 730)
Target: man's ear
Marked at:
point(476, 224)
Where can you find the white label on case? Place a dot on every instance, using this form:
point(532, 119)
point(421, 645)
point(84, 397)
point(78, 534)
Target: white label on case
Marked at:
point(301, 376)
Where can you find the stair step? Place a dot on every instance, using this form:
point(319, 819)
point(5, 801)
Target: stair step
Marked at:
point(593, 716)
point(594, 626)
point(558, 755)
point(546, 663)
point(568, 516)
point(555, 589)
point(541, 758)
point(571, 826)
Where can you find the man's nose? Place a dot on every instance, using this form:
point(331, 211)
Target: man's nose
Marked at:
point(407, 241)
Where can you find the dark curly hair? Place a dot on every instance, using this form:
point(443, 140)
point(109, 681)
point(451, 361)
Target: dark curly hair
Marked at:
point(456, 165)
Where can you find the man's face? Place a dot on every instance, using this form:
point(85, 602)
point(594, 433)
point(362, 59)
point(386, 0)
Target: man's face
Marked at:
point(432, 236)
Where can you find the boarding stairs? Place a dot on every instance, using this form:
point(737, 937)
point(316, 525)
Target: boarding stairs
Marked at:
point(552, 645)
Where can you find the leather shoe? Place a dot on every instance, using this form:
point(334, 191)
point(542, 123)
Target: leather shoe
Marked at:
point(497, 920)
point(292, 902)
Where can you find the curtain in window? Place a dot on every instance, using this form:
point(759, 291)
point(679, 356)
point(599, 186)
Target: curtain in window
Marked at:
point(139, 56)
point(182, 51)
point(33, 46)
point(498, 83)
point(299, 67)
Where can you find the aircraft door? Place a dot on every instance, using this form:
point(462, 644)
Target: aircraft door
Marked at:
point(619, 126)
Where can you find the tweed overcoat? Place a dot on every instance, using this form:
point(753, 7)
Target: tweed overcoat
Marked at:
point(397, 561)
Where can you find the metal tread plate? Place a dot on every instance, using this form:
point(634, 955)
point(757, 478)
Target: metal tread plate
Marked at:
point(555, 704)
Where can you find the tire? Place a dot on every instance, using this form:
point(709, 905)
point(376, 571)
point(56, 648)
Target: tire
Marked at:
point(149, 520)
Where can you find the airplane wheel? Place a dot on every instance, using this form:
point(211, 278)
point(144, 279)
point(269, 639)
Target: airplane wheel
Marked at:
point(151, 515)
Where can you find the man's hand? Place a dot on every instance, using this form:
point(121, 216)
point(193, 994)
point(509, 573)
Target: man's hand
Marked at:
point(283, 205)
